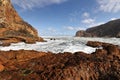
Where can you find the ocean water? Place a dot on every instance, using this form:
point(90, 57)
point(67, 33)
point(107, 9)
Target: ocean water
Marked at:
point(61, 44)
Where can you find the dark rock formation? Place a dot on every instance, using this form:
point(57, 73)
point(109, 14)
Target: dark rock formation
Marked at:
point(110, 29)
point(83, 33)
point(13, 28)
point(103, 64)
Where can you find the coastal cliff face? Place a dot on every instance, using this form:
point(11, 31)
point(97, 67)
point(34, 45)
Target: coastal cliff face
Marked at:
point(110, 29)
point(103, 64)
point(12, 26)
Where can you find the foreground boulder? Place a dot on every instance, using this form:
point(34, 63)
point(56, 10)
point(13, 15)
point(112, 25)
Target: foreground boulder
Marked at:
point(109, 29)
point(13, 28)
point(103, 64)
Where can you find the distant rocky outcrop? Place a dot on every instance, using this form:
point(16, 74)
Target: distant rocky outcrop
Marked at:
point(103, 64)
point(110, 29)
point(13, 28)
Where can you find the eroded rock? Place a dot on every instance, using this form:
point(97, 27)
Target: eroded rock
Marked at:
point(1, 68)
point(103, 64)
point(12, 26)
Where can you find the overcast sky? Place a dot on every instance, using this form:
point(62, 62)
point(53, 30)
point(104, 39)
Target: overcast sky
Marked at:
point(65, 17)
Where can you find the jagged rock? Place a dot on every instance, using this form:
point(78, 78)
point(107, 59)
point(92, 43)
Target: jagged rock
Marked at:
point(94, 44)
point(110, 49)
point(109, 29)
point(83, 33)
point(103, 64)
point(1, 67)
point(13, 26)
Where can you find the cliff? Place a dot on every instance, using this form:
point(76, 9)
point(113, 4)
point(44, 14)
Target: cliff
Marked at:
point(109, 29)
point(13, 28)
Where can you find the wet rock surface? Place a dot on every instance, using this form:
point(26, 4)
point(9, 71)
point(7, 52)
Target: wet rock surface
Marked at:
point(103, 64)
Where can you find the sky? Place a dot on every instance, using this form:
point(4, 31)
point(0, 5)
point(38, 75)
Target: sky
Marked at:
point(66, 17)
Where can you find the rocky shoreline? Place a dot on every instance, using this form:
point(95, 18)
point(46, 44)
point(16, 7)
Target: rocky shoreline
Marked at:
point(103, 64)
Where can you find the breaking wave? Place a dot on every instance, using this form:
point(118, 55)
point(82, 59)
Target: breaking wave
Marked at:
point(61, 44)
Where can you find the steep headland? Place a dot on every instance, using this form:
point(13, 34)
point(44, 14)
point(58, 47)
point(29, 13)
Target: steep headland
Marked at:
point(109, 29)
point(13, 28)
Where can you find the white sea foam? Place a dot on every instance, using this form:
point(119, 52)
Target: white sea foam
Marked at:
point(61, 44)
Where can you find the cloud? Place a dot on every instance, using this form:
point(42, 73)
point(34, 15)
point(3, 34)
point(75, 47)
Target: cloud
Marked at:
point(51, 29)
point(96, 24)
point(29, 4)
point(86, 14)
point(113, 18)
point(69, 28)
point(109, 5)
point(88, 21)
point(72, 28)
